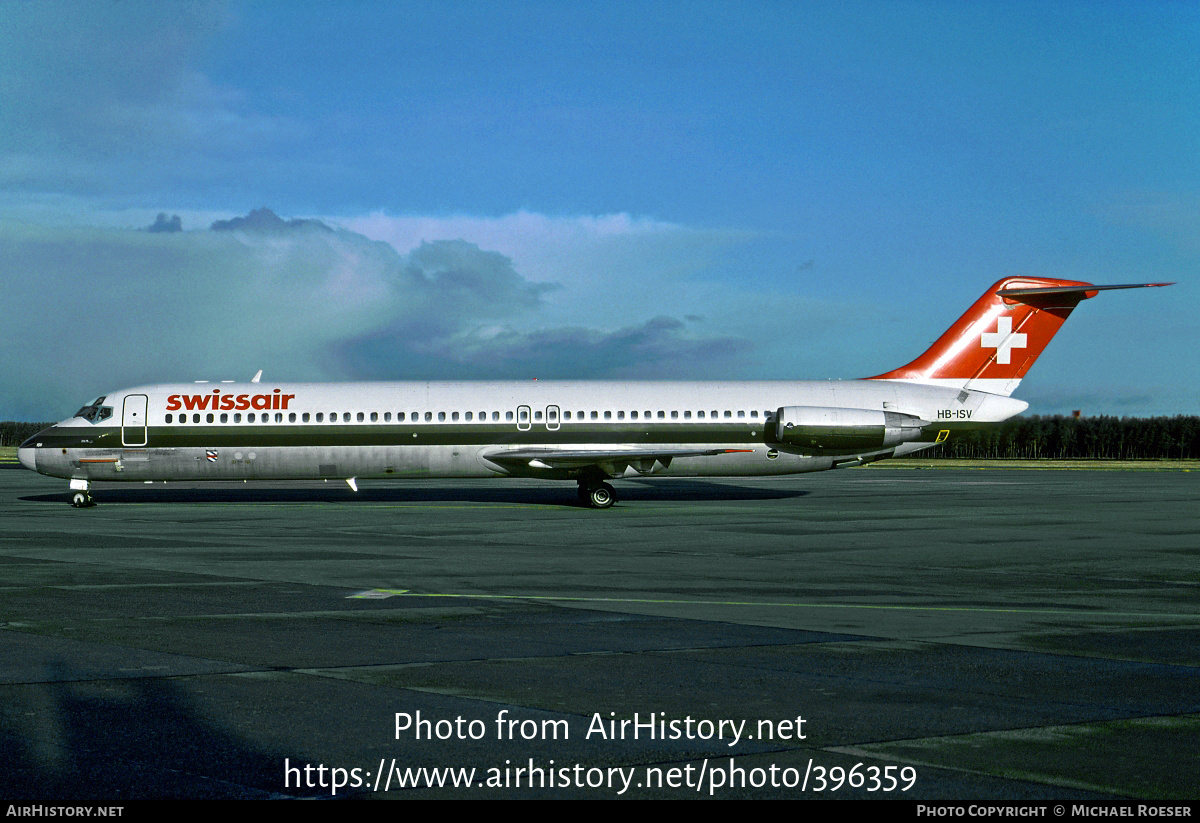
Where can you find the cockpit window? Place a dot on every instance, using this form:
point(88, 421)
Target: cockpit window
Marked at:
point(96, 412)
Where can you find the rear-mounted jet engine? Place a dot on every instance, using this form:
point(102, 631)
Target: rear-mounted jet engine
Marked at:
point(845, 431)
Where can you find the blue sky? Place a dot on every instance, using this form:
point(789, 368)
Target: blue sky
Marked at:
point(651, 190)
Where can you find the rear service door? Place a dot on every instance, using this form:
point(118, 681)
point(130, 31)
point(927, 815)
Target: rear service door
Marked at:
point(133, 421)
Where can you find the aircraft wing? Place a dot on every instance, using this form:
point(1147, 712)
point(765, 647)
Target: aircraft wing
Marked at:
point(641, 459)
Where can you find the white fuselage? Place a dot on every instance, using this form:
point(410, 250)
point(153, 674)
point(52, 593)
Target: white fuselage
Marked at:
point(235, 431)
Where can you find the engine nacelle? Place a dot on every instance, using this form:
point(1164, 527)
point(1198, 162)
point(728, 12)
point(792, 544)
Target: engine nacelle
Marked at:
point(844, 431)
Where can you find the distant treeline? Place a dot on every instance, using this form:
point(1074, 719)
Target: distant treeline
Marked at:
point(1082, 438)
point(1022, 438)
point(14, 434)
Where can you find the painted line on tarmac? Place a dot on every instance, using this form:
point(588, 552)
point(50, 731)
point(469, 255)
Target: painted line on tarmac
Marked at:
point(384, 593)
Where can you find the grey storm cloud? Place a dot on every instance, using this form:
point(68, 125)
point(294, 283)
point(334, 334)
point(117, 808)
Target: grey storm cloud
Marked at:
point(165, 225)
point(265, 220)
point(119, 307)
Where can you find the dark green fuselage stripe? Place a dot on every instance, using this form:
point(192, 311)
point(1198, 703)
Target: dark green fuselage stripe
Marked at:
point(332, 435)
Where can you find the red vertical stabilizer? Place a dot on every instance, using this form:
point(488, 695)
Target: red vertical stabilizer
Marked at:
point(992, 346)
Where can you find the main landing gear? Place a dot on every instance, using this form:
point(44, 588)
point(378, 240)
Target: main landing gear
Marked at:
point(598, 495)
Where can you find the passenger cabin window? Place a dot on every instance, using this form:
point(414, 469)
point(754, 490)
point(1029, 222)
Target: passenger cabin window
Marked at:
point(304, 417)
point(237, 417)
point(224, 418)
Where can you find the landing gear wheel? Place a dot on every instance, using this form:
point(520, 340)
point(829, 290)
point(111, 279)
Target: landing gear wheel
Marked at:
point(601, 497)
point(81, 500)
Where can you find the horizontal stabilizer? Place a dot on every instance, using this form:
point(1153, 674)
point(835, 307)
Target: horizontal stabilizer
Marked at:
point(1084, 289)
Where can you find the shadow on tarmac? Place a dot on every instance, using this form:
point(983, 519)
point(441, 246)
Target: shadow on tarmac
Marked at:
point(631, 491)
point(125, 740)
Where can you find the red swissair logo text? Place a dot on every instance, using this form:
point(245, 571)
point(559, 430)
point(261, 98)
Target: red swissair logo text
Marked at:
point(227, 402)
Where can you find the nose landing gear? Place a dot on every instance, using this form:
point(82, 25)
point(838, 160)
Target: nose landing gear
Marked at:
point(80, 497)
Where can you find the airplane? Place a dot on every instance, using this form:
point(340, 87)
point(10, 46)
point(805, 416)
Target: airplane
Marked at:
point(586, 431)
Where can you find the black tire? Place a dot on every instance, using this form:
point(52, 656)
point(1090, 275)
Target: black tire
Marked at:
point(81, 500)
point(602, 496)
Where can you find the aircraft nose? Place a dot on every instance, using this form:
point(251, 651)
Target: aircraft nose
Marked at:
point(28, 458)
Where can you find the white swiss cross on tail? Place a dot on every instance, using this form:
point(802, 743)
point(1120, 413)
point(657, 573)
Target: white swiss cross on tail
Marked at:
point(1002, 340)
